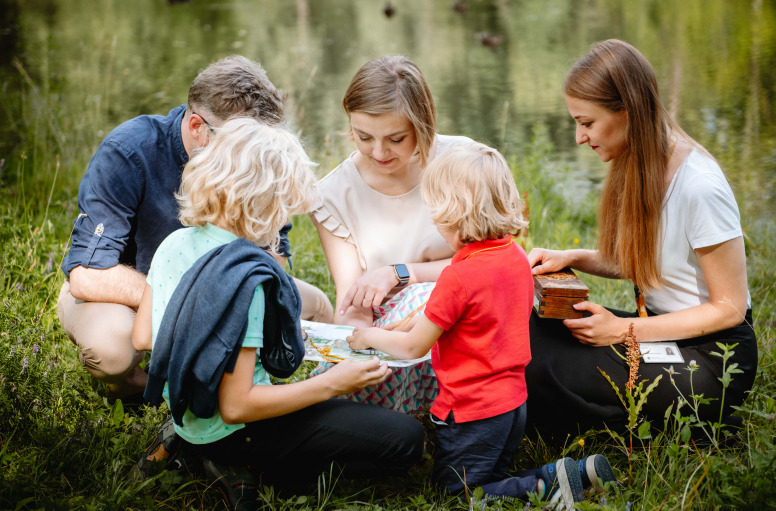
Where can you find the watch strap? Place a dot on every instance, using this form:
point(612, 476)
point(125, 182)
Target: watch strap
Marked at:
point(402, 274)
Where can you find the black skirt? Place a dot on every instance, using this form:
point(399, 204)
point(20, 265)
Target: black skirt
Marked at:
point(568, 394)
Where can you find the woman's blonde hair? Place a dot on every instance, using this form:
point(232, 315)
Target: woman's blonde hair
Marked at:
point(251, 177)
point(470, 188)
point(616, 76)
point(394, 85)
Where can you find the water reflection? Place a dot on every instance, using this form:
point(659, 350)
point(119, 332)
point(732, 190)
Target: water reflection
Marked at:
point(88, 65)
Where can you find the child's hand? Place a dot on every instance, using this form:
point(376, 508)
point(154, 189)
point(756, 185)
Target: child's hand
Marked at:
point(351, 376)
point(359, 339)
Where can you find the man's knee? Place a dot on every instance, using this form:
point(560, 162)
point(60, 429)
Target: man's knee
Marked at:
point(110, 363)
point(103, 332)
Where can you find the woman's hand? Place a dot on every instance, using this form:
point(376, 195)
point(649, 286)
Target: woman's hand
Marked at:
point(370, 289)
point(543, 260)
point(601, 328)
point(351, 375)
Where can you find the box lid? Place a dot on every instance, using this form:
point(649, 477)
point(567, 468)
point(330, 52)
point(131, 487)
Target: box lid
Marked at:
point(561, 283)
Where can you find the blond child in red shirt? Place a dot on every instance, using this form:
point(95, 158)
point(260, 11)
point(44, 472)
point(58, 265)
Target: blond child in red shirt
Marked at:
point(476, 325)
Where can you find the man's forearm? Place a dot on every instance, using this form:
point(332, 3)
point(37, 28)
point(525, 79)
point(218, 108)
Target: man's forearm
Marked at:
point(119, 284)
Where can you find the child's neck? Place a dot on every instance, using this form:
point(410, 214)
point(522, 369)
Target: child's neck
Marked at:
point(221, 223)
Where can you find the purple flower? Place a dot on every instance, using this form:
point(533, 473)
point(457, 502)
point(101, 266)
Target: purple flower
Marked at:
point(35, 348)
point(24, 365)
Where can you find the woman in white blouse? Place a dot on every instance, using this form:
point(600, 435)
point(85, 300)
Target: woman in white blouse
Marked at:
point(669, 222)
point(383, 251)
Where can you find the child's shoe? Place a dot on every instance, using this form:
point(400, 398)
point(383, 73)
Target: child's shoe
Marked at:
point(562, 483)
point(238, 485)
point(161, 454)
point(595, 471)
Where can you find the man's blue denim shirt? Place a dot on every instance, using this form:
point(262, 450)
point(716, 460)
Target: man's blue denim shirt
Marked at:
point(126, 200)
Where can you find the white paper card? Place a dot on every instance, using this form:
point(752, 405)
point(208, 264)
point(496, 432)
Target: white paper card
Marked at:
point(660, 352)
point(331, 338)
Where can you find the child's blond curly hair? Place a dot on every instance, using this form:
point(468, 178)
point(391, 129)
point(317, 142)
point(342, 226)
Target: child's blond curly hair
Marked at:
point(470, 188)
point(251, 177)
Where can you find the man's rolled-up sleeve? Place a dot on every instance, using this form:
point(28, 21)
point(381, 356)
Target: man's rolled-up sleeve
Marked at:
point(108, 199)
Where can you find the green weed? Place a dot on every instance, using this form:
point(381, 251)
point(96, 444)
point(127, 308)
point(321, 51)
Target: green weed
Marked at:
point(63, 445)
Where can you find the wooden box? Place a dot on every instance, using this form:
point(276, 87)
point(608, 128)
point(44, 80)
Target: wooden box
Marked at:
point(556, 293)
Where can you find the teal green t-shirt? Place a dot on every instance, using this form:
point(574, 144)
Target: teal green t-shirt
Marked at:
point(173, 258)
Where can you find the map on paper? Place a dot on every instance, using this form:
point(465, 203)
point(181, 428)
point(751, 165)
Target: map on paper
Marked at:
point(328, 339)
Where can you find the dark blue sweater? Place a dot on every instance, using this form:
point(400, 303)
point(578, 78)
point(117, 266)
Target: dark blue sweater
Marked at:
point(205, 321)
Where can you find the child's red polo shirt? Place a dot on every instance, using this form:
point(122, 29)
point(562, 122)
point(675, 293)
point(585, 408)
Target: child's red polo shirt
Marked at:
point(483, 302)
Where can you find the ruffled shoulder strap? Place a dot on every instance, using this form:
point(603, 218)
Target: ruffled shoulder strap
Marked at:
point(331, 223)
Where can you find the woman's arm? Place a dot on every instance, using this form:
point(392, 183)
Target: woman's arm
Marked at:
point(357, 291)
point(412, 344)
point(240, 401)
point(345, 268)
point(724, 271)
point(543, 260)
point(141, 328)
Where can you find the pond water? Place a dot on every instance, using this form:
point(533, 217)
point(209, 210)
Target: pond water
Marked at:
point(76, 68)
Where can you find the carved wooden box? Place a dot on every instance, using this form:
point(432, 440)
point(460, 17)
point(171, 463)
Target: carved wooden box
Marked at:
point(556, 293)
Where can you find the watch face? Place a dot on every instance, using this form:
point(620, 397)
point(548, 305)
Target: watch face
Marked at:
point(401, 271)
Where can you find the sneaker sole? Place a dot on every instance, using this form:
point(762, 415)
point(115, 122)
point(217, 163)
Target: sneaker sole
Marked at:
point(569, 485)
point(599, 472)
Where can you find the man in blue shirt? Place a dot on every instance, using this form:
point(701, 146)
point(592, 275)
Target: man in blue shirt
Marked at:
point(127, 207)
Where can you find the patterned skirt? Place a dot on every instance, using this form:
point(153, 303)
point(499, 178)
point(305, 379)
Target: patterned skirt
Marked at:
point(408, 389)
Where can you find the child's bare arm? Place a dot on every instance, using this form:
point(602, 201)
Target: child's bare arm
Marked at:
point(240, 401)
point(141, 328)
point(412, 344)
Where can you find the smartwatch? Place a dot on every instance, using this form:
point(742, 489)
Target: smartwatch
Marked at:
point(402, 273)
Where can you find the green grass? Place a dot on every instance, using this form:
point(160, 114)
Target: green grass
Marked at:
point(63, 445)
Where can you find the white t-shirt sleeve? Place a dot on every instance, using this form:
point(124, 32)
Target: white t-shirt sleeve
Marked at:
point(713, 215)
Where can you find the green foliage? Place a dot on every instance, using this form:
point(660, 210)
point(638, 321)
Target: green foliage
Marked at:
point(65, 446)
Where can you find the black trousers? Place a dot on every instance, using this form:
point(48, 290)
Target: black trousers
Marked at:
point(568, 394)
point(361, 439)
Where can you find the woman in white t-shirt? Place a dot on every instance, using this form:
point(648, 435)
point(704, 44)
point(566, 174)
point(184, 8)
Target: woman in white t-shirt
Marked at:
point(669, 222)
point(383, 250)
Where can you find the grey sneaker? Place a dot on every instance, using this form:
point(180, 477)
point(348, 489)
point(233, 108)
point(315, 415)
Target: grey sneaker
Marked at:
point(596, 472)
point(562, 483)
point(161, 454)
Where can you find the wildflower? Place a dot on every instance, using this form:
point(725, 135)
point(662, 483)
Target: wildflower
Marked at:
point(13, 348)
point(35, 348)
point(671, 371)
point(19, 287)
point(693, 364)
point(576, 241)
point(24, 365)
point(634, 355)
point(581, 442)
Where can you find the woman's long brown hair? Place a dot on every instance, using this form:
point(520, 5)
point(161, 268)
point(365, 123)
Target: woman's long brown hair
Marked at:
point(616, 76)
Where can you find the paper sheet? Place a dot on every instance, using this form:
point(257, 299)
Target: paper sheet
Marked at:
point(331, 338)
